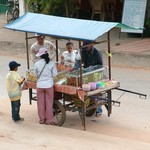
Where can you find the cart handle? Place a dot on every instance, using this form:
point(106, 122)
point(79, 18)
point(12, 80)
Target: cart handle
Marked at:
point(144, 96)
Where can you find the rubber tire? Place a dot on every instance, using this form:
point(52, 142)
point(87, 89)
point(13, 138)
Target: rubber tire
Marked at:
point(88, 113)
point(15, 14)
point(91, 112)
point(57, 109)
point(9, 16)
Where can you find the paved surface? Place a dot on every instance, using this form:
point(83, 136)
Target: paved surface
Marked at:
point(135, 47)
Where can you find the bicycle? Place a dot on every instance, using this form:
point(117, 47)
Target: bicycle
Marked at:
point(13, 11)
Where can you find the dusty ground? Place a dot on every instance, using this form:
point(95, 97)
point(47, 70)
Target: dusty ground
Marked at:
point(127, 128)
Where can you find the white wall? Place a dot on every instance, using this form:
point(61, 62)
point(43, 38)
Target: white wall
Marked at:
point(21, 7)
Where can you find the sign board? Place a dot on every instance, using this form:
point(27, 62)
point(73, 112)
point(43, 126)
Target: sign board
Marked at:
point(134, 15)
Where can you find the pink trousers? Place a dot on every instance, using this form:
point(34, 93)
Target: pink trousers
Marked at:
point(45, 97)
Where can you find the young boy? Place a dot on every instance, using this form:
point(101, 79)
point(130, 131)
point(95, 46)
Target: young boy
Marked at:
point(13, 82)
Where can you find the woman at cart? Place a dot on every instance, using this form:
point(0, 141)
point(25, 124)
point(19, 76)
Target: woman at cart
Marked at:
point(45, 70)
point(69, 57)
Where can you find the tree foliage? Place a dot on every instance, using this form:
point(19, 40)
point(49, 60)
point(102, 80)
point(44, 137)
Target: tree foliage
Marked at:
point(53, 7)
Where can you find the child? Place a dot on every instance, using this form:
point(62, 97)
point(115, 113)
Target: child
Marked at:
point(13, 82)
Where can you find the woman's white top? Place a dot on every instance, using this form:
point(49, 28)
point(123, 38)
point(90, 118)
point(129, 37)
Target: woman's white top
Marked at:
point(46, 78)
point(70, 58)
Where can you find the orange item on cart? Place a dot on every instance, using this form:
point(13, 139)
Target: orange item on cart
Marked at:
point(62, 67)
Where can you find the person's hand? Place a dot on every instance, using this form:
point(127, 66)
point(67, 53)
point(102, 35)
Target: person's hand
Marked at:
point(23, 78)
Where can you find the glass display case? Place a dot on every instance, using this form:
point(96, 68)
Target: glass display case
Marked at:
point(90, 74)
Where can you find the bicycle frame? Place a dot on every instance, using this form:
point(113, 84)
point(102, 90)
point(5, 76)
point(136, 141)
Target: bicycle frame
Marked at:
point(13, 11)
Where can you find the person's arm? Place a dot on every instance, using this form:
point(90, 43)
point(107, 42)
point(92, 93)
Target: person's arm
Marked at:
point(33, 57)
point(77, 60)
point(84, 55)
point(77, 65)
point(62, 59)
point(22, 80)
point(100, 58)
point(19, 79)
point(35, 70)
point(54, 70)
point(52, 47)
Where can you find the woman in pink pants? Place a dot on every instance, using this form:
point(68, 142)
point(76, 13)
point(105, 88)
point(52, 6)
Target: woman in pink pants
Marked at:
point(45, 71)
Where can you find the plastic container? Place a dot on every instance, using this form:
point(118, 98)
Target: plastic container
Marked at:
point(102, 84)
point(86, 87)
point(98, 85)
point(93, 85)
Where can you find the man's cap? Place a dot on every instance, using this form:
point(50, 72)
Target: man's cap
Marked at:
point(38, 34)
point(42, 51)
point(87, 42)
point(13, 65)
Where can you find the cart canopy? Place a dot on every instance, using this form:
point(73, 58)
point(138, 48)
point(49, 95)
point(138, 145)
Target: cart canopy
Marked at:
point(62, 27)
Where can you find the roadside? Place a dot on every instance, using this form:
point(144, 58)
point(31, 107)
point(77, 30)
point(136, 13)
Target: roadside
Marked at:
point(125, 51)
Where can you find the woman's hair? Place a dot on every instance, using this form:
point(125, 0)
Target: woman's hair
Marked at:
point(46, 57)
point(69, 43)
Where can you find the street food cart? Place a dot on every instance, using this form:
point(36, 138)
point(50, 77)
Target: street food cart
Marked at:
point(71, 95)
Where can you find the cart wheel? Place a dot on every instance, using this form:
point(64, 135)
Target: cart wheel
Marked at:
point(91, 112)
point(59, 113)
point(88, 113)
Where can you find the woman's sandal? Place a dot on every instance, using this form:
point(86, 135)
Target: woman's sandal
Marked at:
point(50, 123)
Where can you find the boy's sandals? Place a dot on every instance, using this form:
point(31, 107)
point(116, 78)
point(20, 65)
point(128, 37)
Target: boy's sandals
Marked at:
point(21, 119)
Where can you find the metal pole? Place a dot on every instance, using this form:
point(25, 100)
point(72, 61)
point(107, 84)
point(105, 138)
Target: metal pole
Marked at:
point(56, 50)
point(109, 67)
point(28, 67)
point(80, 64)
point(82, 103)
point(27, 50)
point(109, 58)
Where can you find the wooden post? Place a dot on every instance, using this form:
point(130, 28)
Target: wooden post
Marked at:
point(56, 50)
point(109, 67)
point(82, 103)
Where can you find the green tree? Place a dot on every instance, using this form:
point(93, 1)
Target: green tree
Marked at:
point(53, 7)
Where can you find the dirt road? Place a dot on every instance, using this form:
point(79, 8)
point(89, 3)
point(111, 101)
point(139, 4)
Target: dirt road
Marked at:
point(127, 128)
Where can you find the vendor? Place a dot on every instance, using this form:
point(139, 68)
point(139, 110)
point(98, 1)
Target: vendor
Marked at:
point(90, 57)
point(68, 58)
point(41, 43)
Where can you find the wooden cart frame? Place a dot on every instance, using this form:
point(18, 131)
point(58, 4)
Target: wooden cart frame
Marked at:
point(82, 111)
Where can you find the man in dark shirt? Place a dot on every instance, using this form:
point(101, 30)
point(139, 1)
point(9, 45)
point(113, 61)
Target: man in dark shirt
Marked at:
point(91, 57)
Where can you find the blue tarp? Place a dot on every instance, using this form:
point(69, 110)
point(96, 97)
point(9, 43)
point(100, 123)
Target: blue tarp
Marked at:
point(61, 27)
